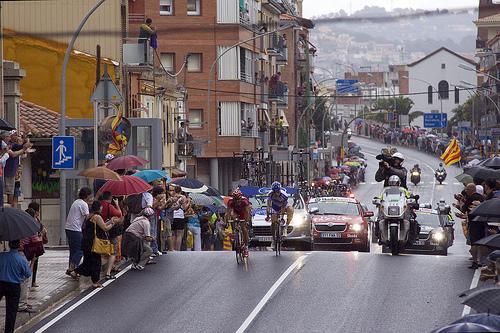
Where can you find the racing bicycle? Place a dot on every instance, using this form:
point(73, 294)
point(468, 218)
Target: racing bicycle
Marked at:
point(278, 233)
point(238, 244)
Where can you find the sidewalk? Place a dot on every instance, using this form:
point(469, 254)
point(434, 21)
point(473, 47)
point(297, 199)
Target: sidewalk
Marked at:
point(54, 286)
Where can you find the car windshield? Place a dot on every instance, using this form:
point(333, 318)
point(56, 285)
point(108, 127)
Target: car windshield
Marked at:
point(261, 201)
point(336, 208)
point(431, 220)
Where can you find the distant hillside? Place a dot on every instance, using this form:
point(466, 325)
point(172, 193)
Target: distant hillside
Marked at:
point(364, 43)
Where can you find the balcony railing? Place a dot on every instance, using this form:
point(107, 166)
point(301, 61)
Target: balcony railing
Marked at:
point(278, 136)
point(264, 93)
point(278, 92)
point(249, 132)
point(137, 53)
point(278, 47)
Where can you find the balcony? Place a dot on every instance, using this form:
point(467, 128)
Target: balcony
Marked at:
point(278, 48)
point(278, 92)
point(278, 136)
point(185, 149)
point(137, 55)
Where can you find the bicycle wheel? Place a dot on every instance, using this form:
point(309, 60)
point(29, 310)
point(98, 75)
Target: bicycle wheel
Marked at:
point(280, 235)
point(277, 239)
point(240, 236)
point(237, 246)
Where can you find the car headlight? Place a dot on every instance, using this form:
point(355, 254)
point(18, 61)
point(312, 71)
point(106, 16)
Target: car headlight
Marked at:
point(298, 220)
point(357, 227)
point(438, 236)
point(393, 210)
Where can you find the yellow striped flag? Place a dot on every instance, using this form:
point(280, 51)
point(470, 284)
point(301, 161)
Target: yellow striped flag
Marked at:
point(452, 153)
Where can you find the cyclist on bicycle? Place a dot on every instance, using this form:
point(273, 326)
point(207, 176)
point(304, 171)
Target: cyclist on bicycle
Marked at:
point(240, 207)
point(277, 203)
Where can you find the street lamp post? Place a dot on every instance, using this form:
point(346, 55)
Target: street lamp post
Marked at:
point(62, 124)
point(436, 91)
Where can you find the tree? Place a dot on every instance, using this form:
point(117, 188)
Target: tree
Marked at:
point(399, 105)
point(463, 112)
point(415, 114)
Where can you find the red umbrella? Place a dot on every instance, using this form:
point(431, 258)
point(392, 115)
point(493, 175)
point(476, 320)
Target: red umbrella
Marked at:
point(127, 186)
point(126, 162)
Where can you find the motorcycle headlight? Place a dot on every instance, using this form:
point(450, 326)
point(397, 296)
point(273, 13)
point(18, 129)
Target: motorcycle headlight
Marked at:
point(438, 236)
point(357, 227)
point(393, 210)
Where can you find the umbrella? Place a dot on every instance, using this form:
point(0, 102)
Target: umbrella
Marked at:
point(127, 186)
point(212, 192)
point(482, 172)
point(202, 199)
point(492, 241)
point(465, 327)
point(126, 162)
point(16, 224)
point(352, 163)
point(100, 173)
point(474, 162)
point(6, 126)
point(464, 178)
point(488, 208)
point(485, 319)
point(151, 175)
point(484, 300)
point(491, 163)
point(190, 185)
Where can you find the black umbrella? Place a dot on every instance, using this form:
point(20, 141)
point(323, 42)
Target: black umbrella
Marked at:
point(465, 328)
point(485, 300)
point(5, 125)
point(482, 172)
point(491, 163)
point(212, 192)
point(486, 319)
point(492, 241)
point(488, 208)
point(190, 185)
point(16, 224)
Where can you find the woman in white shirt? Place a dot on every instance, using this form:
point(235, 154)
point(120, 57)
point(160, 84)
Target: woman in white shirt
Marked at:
point(179, 222)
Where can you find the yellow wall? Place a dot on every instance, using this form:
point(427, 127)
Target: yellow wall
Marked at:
point(42, 60)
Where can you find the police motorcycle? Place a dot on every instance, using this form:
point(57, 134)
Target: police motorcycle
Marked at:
point(415, 174)
point(396, 216)
point(440, 173)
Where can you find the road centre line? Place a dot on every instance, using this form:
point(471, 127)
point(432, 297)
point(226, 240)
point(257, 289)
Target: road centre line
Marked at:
point(473, 284)
point(80, 302)
point(297, 264)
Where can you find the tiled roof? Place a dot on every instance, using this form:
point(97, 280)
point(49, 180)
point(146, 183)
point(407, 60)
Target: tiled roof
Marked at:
point(490, 19)
point(40, 121)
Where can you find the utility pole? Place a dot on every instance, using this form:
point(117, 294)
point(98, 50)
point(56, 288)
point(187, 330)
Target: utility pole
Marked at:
point(308, 114)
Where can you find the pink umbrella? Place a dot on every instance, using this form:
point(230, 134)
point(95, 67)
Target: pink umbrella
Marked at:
point(126, 162)
point(127, 186)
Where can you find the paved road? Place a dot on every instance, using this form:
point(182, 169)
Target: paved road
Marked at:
point(313, 291)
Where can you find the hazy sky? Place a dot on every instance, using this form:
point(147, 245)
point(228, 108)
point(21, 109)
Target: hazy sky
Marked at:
point(320, 7)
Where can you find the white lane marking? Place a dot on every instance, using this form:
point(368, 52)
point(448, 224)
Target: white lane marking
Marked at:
point(456, 183)
point(362, 183)
point(80, 302)
point(374, 183)
point(267, 296)
point(473, 284)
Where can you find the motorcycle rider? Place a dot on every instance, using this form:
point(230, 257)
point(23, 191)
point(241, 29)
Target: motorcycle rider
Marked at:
point(395, 168)
point(416, 168)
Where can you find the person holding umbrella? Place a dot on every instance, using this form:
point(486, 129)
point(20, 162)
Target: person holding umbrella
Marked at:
point(14, 269)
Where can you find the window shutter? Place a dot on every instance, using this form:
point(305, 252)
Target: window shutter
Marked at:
point(229, 64)
point(230, 119)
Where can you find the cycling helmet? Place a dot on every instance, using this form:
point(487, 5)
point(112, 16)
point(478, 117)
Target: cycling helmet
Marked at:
point(442, 201)
point(440, 164)
point(394, 181)
point(236, 194)
point(148, 212)
point(416, 166)
point(399, 156)
point(276, 186)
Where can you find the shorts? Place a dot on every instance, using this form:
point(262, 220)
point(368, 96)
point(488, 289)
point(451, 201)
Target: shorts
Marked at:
point(9, 183)
point(178, 224)
point(17, 189)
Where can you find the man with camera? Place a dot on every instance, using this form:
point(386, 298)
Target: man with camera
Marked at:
point(391, 166)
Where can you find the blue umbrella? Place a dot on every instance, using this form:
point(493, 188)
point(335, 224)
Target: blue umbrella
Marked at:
point(464, 328)
point(486, 319)
point(151, 175)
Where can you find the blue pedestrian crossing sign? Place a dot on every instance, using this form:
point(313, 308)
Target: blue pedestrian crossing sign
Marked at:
point(63, 152)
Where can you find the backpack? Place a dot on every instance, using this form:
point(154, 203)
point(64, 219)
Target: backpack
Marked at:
point(134, 203)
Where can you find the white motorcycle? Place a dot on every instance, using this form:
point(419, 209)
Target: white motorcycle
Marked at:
point(394, 218)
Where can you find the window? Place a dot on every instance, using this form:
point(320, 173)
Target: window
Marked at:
point(457, 96)
point(443, 88)
point(443, 66)
point(168, 61)
point(194, 62)
point(246, 65)
point(228, 66)
point(229, 119)
point(195, 118)
point(193, 7)
point(166, 7)
point(429, 95)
